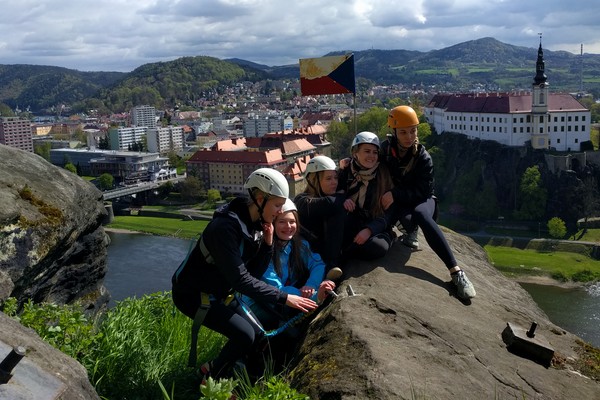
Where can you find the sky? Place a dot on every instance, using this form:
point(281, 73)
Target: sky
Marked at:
point(121, 35)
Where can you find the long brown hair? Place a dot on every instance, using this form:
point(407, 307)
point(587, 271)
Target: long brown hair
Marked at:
point(313, 184)
point(384, 184)
point(297, 270)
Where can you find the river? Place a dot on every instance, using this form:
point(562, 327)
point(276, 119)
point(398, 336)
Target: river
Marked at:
point(140, 264)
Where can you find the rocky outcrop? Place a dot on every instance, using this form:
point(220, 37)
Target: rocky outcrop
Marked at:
point(405, 335)
point(52, 245)
point(44, 372)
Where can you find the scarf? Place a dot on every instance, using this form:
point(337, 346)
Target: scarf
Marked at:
point(358, 188)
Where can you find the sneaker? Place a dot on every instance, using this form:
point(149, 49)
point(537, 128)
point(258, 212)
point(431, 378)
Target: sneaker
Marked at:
point(465, 289)
point(334, 274)
point(410, 239)
point(204, 372)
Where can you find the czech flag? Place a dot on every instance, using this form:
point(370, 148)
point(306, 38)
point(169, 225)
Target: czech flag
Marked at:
point(327, 75)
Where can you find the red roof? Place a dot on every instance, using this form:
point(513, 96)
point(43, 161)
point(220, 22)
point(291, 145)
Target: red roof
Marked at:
point(501, 103)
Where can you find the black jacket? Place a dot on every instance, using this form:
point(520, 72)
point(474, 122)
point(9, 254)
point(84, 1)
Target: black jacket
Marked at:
point(238, 258)
point(312, 212)
point(376, 224)
point(416, 185)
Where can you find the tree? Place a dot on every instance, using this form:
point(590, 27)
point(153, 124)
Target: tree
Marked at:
point(71, 167)
point(557, 228)
point(212, 196)
point(340, 139)
point(106, 181)
point(532, 194)
point(191, 188)
point(42, 150)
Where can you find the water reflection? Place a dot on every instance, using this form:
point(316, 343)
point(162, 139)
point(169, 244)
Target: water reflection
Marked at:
point(576, 310)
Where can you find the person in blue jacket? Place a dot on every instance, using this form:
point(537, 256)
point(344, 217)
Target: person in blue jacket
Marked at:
point(231, 256)
point(294, 269)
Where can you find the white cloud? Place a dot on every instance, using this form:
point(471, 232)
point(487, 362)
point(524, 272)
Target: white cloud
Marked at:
point(119, 35)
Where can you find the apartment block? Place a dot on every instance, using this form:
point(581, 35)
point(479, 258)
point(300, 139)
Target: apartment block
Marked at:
point(16, 132)
point(162, 140)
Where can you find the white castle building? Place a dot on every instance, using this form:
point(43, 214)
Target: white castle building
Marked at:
point(546, 120)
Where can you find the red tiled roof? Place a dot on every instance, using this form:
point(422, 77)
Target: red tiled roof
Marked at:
point(501, 102)
point(267, 157)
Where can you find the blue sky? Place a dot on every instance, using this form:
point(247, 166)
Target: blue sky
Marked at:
point(119, 35)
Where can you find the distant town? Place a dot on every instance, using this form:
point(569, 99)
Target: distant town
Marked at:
point(221, 149)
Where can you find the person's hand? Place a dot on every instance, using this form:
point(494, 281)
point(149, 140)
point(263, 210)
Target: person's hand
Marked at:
point(300, 303)
point(344, 163)
point(307, 291)
point(324, 288)
point(362, 236)
point(268, 233)
point(349, 205)
point(386, 200)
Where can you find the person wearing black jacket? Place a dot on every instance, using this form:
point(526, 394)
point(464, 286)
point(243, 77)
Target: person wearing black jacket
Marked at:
point(322, 213)
point(413, 197)
point(231, 256)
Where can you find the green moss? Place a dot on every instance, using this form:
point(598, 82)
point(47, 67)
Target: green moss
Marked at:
point(52, 215)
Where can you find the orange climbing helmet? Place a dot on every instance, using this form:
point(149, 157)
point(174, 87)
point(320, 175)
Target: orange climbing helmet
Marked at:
point(402, 117)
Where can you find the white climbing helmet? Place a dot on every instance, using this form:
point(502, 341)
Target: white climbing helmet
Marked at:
point(288, 206)
point(320, 163)
point(269, 181)
point(365, 137)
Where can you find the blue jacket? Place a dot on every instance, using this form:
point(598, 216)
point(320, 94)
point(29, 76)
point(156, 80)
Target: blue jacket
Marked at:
point(312, 261)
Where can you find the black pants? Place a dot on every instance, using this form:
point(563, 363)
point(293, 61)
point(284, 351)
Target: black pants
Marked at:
point(375, 247)
point(423, 216)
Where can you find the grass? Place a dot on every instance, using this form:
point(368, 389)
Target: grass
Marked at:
point(186, 229)
point(563, 266)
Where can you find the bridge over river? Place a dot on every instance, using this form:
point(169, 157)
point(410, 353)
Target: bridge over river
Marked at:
point(137, 188)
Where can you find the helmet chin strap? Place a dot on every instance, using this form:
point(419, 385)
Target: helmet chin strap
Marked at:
point(260, 207)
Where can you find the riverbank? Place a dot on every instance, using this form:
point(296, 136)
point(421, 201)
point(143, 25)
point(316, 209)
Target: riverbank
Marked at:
point(545, 280)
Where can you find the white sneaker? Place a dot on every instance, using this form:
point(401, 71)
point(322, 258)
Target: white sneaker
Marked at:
point(464, 287)
point(334, 274)
point(410, 239)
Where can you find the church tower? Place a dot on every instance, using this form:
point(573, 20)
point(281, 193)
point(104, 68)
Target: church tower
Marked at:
point(539, 107)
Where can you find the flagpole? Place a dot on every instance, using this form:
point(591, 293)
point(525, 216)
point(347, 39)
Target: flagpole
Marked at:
point(355, 121)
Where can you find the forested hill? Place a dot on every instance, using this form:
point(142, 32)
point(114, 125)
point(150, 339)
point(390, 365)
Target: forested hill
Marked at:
point(483, 63)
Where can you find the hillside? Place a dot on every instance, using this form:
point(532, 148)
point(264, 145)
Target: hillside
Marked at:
point(483, 63)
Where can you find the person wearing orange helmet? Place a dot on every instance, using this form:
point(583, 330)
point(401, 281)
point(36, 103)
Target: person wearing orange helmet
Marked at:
point(413, 197)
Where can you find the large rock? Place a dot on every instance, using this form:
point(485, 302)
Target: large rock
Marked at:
point(52, 244)
point(44, 372)
point(405, 335)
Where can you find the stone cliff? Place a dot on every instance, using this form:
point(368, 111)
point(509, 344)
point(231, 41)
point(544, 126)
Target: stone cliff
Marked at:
point(405, 335)
point(52, 245)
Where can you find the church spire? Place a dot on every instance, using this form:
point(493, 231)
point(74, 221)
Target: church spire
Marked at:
point(540, 76)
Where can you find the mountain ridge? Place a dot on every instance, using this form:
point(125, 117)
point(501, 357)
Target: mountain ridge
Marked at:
point(486, 63)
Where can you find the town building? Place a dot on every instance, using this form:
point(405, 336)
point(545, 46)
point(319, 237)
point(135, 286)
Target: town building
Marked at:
point(16, 132)
point(129, 167)
point(539, 118)
point(162, 140)
point(123, 138)
point(226, 165)
point(143, 116)
point(260, 126)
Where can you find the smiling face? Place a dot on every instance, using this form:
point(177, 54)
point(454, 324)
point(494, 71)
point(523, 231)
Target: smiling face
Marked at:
point(406, 136)
point(286, 225)
point(366, 155)
point(272, 208)
point(328, 180)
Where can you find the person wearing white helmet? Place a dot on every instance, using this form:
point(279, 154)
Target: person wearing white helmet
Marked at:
point(321, 210)
point(294, 269)
point(364, 181)
point(234, 249)
point(413, 197)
